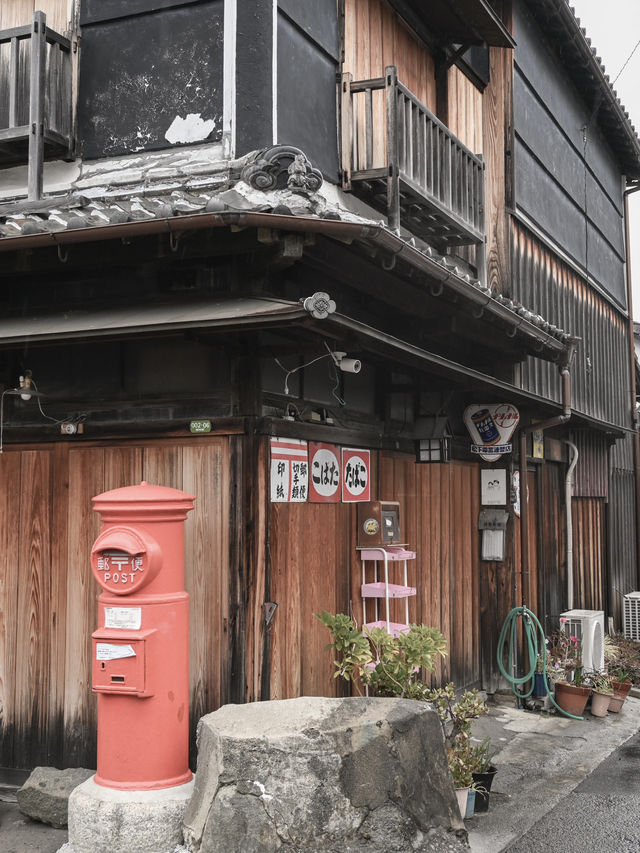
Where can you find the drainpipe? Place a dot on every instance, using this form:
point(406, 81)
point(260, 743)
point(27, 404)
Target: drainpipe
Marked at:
point(524, 509)
point(568, 483)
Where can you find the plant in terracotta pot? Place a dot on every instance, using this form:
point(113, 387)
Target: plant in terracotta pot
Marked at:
point(572, 692)
point(602, 687)
point(621, 683)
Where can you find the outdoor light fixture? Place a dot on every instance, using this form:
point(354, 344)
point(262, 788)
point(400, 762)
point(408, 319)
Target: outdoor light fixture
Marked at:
point(26, 388)
point(433, 440)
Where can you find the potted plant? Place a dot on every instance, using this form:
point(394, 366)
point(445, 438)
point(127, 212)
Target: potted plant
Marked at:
point(571, 692)
point(483, 771)
point(386, 665)
point(602, 693)
point(456, 715)
point(539, 686)
point(621, 683)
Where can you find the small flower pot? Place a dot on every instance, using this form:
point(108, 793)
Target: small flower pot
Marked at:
point(620, 692)
point(600, 704)
point(462, 795)
point(572, 699)
point(484, 782)
point(471, 804)
point(539, 688)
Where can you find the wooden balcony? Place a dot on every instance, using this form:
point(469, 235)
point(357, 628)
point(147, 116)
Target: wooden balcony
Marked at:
point(402, 160)
point(35, 98)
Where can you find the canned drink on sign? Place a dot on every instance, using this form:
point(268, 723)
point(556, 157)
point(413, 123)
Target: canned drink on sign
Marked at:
point(486, 426)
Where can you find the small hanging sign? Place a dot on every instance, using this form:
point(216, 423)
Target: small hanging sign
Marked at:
point(491, 428)
point(325, 480)
point(356, 480)
point(289, 470)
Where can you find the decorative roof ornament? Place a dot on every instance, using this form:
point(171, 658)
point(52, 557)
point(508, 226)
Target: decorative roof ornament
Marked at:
point(320, 305)
point(282, 167)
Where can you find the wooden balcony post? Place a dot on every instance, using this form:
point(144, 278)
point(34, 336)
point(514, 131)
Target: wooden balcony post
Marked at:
point(14, 66)
point(38, 46)
point(346, 119)
point(393, 163)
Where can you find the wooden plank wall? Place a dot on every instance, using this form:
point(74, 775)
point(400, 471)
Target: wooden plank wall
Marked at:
point(48, 599)
point(374, 38)
point(589, 554)
point(17, 13)
point(314, 565)
point(622, 549)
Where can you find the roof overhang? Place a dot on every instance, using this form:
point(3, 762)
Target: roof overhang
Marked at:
point(545, 340)
point(464, 22)
point(150, 320)
point(245, 313)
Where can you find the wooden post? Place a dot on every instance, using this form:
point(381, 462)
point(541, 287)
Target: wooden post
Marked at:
point(393, 178)
point(346, 119)
point(38, 46)
point(14, 68)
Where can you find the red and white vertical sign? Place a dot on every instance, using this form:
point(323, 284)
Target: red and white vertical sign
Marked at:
point(356, 471)
point(325, 475)
point(289, 470)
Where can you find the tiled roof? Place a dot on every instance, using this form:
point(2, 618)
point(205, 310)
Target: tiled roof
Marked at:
point(99, 209)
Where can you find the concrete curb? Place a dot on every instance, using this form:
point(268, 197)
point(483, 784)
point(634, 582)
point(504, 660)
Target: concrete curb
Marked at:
point(541, 758)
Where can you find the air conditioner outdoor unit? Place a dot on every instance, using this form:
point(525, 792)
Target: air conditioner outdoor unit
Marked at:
point(588, 627)
point(631, 619)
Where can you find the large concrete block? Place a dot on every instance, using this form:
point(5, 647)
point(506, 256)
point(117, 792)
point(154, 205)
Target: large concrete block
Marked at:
point(323, 775)
point(45, 794)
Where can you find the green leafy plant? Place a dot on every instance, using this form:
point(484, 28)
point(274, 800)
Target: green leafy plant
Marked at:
point(389, 666)
point(619, 673)
point(601, 683)
point(457, 714)
point(481, 756)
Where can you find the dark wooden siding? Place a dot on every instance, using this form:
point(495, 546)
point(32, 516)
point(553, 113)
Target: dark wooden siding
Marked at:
point(48, 598)
point(591, 474)
point(622, 549)
point(589, 554)
point(546, 285)
point(566, 178)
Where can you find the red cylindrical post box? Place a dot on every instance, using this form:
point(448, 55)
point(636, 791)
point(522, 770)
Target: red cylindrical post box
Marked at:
point(141, 647)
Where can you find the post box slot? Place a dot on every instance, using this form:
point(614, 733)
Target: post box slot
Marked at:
point(117, 678)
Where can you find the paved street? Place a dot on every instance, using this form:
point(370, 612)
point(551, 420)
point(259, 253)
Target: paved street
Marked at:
point(602, 813)
point(551, 790)
point(18, 834)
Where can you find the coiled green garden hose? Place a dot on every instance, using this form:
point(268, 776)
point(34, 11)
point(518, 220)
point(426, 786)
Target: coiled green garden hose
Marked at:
point(536, 646)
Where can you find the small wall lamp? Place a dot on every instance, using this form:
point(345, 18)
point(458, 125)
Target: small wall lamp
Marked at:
point(433, 439)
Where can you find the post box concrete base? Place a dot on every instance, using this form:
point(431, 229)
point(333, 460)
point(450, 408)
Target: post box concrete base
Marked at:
point(105, 820)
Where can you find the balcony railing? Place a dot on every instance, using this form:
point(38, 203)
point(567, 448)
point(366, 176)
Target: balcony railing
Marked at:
point(35, 97)
point(407, 163)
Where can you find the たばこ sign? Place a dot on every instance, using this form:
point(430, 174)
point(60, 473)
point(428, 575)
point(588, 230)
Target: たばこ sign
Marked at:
point(356, 467)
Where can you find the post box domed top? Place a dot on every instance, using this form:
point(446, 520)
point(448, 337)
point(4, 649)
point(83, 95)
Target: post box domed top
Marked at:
point(146, 499)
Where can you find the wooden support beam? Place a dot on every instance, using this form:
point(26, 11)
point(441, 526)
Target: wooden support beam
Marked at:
point(38, 45)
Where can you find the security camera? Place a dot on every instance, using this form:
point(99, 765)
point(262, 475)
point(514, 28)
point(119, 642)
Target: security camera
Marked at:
point(351, 365)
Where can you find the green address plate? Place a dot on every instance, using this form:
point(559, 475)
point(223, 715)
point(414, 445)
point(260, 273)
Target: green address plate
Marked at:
point(200, 426)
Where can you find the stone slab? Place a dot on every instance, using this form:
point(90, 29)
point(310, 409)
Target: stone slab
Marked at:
point(45, 794)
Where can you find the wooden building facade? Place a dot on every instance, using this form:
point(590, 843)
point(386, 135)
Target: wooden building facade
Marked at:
point(282, 182)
